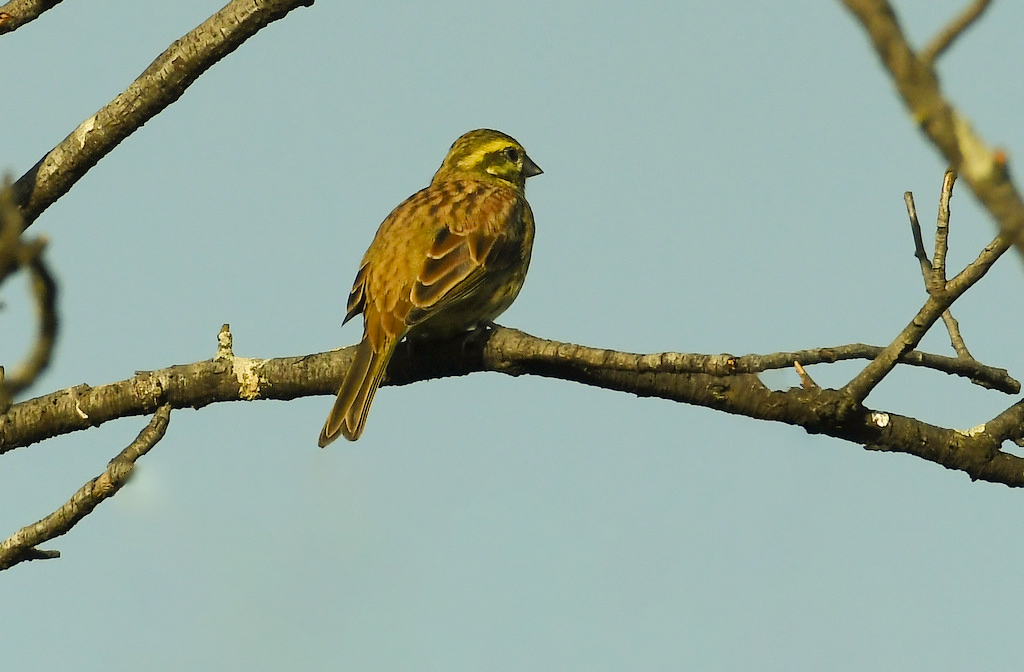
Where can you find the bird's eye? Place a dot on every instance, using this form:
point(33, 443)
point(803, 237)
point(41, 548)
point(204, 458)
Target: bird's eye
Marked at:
point(512, 154)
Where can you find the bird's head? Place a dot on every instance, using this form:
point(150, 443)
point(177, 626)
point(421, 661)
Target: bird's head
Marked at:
point(489, 156)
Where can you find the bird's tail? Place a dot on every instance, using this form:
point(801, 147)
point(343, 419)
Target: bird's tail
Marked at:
point(348, 417)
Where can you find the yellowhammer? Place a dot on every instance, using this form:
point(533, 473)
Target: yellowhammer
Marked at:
point(450, 258)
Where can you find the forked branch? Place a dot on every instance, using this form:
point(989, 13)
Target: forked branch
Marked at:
point(942, 294)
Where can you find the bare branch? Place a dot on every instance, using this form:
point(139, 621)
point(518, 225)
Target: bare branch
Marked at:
point(955, 338)
point(17, 13)
point(986, 376)
point(10, 232)
point(16, 252)
point(162, 83)
point(232, 378)
point(952, 326)
point(945, 39)
point(1008, 425)
point(44, 290)
point(21, 546)
point(915, 79)
point(937, 280)
point(873, 373)
point(942, 294)
point(915, 228)
point(984, 170)
point(805, 378)
point(819, 411)
point(722, 385)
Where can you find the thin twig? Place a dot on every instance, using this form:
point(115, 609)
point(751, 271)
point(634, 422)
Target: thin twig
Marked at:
point(859, 388)
point(1008, 425)
point(955, 338)
point(915, 229)
point(956, 27)
point(986, 376)
point(938, 274)
point(942, 294)
point(21, 546)
point(952, 326)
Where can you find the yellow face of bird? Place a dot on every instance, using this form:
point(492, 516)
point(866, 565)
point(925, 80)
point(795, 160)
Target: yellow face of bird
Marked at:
point(489, 156)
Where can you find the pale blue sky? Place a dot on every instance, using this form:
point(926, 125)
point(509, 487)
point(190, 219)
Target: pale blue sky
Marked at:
point(719, 177)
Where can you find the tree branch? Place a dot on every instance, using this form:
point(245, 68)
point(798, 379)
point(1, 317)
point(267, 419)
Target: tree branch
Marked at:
point(714, 381)
point(907, 340)
point(942, 294)
point(986, 376)
point(17, 13)
point(21, 546)
point(15, 253)
point(44, 291)
point(162, 83)
point(1008, 425)
point(927, 271)
point(945, 39)
point(984, 170)
point(937, 278)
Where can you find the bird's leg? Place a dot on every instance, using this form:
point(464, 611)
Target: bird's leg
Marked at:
point(476, 338)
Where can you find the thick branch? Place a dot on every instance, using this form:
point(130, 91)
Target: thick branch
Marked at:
point(162, 83)
point(819, 411)
point(17, 13)
point(21, 546)
point(718, 383)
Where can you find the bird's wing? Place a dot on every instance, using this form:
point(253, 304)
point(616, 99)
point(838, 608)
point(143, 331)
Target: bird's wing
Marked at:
point(456, 266)
point(357, 297)
point(454, 261)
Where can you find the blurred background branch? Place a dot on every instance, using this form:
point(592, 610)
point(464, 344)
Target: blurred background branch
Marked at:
point(17, 252)
point(969, 155)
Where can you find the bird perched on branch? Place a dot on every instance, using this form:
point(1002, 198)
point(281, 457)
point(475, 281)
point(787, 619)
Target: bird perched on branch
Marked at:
point(449, 259)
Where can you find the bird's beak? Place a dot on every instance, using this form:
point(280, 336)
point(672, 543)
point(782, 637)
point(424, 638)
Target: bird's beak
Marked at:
point(530, 168)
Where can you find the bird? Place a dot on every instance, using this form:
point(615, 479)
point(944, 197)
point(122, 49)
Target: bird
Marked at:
point(449, 259)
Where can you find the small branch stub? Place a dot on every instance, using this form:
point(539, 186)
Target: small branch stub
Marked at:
point(805, 378)
point(224, 343)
